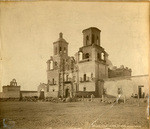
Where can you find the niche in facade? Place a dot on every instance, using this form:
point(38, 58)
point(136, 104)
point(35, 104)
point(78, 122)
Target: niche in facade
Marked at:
point(51, 65)
point(80, 56)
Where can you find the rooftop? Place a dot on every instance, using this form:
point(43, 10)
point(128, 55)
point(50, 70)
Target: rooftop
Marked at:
point(92, 28)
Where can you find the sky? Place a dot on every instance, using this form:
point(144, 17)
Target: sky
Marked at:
point(28, 30)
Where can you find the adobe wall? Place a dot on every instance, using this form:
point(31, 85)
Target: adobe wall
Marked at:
point(101, 71)
point(86, 68)
point(10, 92)
point(53, 91)
point(10, 95)
point(29, 93)
point(53, 74)
point(129, 85)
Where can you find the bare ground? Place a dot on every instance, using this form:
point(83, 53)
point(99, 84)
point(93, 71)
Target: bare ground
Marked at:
point(47, 115)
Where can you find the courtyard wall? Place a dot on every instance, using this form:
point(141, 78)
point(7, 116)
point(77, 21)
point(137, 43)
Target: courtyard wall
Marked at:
point(129, 85)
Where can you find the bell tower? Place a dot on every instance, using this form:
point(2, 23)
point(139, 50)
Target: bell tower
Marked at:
point(91, 49)
point(60, 46)
point(92, 62)
point(91, 36)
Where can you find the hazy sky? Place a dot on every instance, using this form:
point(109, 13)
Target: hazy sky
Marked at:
point(28, 30)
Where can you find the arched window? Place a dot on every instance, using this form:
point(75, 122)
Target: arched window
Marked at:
point(102, 56)
point(59, 49)
point(51, 65)
point(84, 77)
point(80, 56)
point(87, 39)
point(87, 55)
point(93, 38)
point(97, 40)
point(64, 50)
point(53, 81)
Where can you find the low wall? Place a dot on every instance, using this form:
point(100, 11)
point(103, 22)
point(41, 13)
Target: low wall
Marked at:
point(28, 93)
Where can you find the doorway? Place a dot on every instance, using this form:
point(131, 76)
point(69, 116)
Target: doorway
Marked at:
point(67, 94)
point(140, 93)
point(42, 96)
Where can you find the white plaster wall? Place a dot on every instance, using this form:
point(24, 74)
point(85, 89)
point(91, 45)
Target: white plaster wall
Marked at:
point(128, 86)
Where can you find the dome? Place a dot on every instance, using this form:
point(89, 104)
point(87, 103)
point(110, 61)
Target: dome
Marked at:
point(61, 38)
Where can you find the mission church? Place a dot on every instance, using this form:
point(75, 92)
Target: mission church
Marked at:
point(90, 72)
point(83, 74)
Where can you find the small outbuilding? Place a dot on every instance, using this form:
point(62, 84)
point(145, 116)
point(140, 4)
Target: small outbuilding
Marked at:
point(11, 91)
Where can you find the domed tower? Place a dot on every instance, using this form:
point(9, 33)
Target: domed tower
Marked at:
point(60, 47)
point(92, 61)
point(60, 69)
point(60, 53)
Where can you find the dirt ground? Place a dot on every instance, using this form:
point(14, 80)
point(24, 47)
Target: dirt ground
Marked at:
point(72, 115)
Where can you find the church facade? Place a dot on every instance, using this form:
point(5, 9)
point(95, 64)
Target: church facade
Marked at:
point(81, 75)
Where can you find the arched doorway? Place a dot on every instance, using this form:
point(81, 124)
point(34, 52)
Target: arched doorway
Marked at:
point(67, 94)
point(42, 95)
